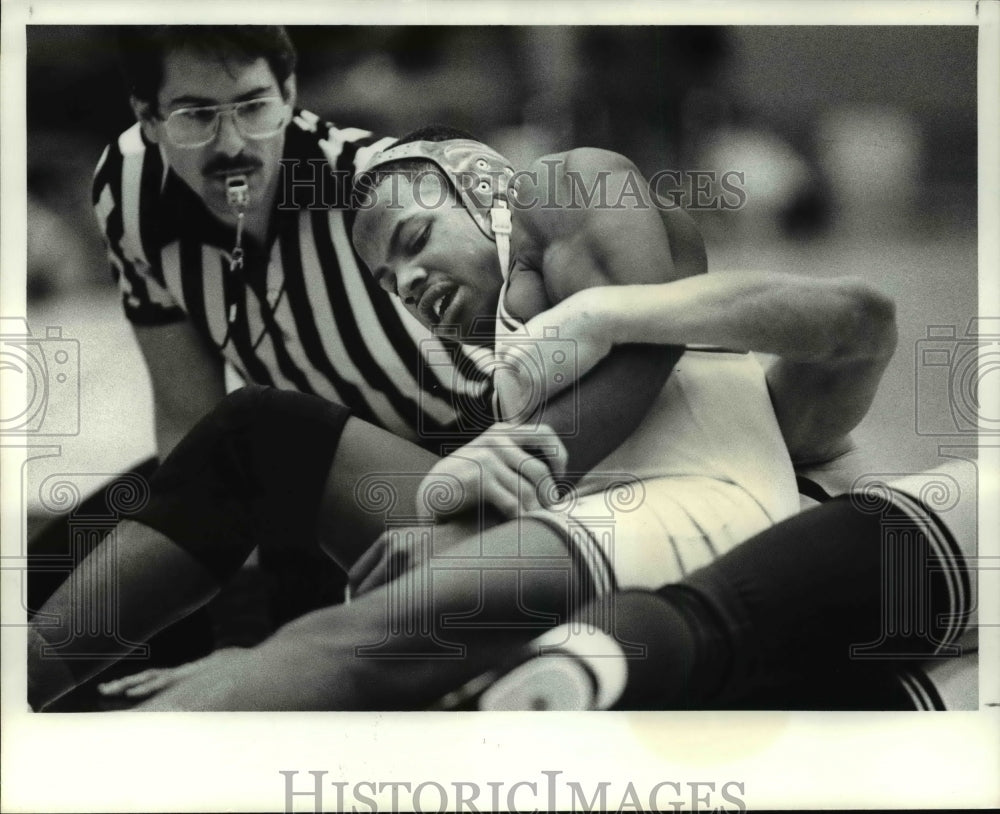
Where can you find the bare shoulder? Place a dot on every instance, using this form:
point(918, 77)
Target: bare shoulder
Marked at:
point(588, 216)
point(593, 159)
point(561, 192)
point(559, 175)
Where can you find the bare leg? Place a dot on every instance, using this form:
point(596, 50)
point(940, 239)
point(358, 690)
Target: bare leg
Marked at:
point(407, 643)
point(253, 470)
point(374, 476)
point(134, 584)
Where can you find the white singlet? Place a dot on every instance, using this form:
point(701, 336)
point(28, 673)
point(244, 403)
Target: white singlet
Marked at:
point(705, 470)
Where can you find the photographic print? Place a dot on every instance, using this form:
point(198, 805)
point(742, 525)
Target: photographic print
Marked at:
point(489, 407)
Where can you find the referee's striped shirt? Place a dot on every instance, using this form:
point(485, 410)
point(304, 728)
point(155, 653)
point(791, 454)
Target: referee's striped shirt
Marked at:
point(306, 316)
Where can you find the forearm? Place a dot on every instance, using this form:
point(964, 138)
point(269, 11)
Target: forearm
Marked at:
point(797, 318)
point(187, 378)
point(596, 414)
point(347, 657)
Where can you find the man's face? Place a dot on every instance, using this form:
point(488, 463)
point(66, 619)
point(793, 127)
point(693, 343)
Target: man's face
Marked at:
point(190, 80)
point(422, 246)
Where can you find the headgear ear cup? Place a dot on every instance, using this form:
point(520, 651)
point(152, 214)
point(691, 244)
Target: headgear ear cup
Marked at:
point(478, 173)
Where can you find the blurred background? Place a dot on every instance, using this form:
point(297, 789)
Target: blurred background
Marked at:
point(856, 145)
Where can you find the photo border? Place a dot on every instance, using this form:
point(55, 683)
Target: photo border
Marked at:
point(232, 761)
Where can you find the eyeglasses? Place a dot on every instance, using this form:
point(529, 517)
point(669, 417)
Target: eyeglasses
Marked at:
point(254, 118)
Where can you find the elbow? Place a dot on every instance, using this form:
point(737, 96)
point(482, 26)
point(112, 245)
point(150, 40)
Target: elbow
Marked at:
point(867, 327)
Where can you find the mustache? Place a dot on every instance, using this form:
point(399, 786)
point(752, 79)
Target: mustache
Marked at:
point(224, 164)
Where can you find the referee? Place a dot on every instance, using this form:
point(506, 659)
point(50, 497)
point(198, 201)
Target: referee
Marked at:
point(223, 209)
point(281, 298)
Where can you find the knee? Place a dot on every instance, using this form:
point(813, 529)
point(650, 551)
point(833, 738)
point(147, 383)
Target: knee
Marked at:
point(214, 444)
point(236, 407)
point(276, 424)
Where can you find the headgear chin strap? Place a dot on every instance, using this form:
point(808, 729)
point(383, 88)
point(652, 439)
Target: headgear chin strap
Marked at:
point(479, 175)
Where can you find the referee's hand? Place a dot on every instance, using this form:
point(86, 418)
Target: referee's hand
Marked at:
point(504, 472)
point(510, 468)
point(402, 549)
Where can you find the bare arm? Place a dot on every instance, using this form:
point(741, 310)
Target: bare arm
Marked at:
point(833, 340)
point(187, 379)
point(619, 240)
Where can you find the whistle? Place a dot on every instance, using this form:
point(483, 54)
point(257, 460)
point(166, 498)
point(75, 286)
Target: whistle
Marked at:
point(237, 192)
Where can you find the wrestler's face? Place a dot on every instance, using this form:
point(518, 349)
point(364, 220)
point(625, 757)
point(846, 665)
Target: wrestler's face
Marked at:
point(422, 246)
point(194, 80)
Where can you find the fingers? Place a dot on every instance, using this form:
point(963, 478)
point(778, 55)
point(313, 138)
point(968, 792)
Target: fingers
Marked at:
point(160, 681)
point(144, 684)
point(452, 485)
point(534, 482)
point(538, 440)
point(495, 475)
point(535, 458)
point(552, 449)
point(150, 682)
point(367, 563)
point(155, 679)
point(502, 490)
point(121, 685)
point(374, 578)
point(382, 563)
point(508, 467)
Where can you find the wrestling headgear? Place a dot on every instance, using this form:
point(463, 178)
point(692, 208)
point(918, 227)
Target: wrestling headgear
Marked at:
point(479, 175)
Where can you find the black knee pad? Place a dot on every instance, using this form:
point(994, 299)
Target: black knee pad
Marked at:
point(860, 579)
point(252, 468)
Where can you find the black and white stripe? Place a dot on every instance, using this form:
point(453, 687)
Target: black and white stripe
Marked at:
point(921, 691)
point(946, 562)
point(307, 317)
